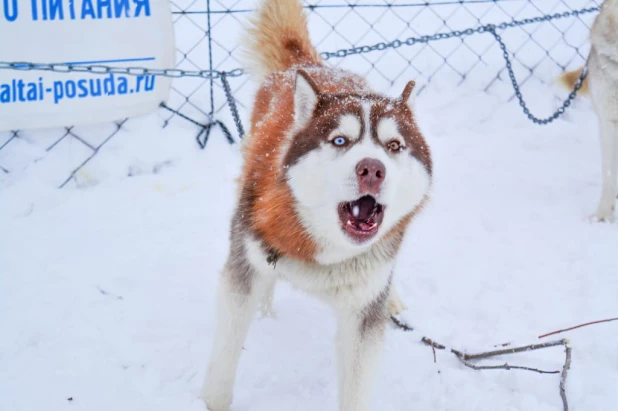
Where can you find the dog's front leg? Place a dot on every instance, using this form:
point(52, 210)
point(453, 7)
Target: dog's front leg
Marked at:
point(239, 292)
point(360, 336)
point(609, 152)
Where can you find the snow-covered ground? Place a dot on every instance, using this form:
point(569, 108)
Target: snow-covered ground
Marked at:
point(107, 289)
point(106, 292)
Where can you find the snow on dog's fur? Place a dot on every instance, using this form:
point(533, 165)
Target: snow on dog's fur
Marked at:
point(602, 87)
point(333, 175)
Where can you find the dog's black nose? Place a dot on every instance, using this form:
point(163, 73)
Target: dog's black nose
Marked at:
point(370, 173)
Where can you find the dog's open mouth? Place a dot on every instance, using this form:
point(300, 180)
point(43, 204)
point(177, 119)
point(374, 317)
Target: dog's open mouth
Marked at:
point(361, 218)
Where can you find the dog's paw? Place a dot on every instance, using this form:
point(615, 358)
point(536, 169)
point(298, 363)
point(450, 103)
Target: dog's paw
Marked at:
point(216, 398)
point(216, 403)
point(395, 306)
point(603, 216)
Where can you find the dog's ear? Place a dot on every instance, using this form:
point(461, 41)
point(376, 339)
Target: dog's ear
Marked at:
point(408, 95)
point(305, 99)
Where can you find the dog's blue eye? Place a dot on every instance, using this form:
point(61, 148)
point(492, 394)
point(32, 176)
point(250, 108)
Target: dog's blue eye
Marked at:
point(340, 141)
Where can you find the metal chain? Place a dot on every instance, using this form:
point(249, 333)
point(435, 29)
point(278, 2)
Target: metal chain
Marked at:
point(131, 71)
point(216, 74)
point(509, 66)
point(223, 75)
point(201, 141)
point(231, 102)
point(456, 33)
point(488, 28)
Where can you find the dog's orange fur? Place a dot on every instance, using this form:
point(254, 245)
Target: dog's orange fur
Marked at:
point(280, 38)
point(568, 79)
point(272, 213)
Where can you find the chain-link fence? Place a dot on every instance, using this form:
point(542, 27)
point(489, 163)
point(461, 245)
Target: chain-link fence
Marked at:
point(438, 43)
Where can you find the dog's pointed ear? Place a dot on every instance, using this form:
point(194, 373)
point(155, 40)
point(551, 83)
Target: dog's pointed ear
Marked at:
point(305, 98)
point(408, 95)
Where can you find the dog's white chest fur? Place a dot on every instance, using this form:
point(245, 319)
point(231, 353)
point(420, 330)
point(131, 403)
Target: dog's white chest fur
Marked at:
point(351, 283)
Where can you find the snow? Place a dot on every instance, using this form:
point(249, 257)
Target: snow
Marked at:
point(107, 287)
point(107, 291)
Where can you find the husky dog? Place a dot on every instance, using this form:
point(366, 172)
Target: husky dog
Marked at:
point(333, 175)
point(602, 87)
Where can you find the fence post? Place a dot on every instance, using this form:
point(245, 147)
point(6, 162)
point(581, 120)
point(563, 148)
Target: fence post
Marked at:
point(210, 67)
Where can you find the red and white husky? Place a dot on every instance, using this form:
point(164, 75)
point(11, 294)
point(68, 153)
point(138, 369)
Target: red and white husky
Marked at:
point(333, 174)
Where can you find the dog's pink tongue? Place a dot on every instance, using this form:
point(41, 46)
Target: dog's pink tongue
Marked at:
point(365, 208)
point(366, 226)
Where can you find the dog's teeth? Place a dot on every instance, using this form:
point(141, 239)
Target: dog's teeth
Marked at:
point(355, 211)
point(349, 222)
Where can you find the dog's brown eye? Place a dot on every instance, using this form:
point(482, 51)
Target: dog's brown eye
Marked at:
point(394, 145)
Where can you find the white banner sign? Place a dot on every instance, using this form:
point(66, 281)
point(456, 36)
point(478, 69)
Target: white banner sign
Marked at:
point(120, 33)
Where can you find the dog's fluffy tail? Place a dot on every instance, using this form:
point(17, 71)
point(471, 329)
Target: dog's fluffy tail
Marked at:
point(568, 79)
point(278, 38)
